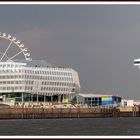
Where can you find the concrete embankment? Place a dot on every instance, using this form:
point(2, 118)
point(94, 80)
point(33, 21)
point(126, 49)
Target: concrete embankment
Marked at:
point(45, 113)
point(129, 111)
point(50, 113)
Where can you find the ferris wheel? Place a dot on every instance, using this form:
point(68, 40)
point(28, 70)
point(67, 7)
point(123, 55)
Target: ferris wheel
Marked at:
point(14, 49)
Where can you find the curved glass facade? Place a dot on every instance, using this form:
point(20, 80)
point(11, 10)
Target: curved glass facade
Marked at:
point(20, 78)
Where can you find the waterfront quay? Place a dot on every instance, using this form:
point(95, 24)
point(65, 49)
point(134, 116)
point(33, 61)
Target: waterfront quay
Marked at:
point(63, 111)
point(50, 113)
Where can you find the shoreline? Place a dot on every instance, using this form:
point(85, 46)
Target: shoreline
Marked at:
point(60, 113)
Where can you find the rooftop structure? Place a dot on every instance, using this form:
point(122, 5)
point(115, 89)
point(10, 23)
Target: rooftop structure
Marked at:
point(94, 95)
point(36, 63)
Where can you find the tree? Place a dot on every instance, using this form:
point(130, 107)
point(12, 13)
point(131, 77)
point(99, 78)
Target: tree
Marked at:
point(11, 95)
point(74, 100)
point(37, 66)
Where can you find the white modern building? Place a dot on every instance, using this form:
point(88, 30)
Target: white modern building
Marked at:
point(33, 79)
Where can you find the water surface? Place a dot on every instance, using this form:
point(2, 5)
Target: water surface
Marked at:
point(71, 127)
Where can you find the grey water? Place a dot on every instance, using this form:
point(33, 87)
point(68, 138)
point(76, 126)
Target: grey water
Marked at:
point(71, 127)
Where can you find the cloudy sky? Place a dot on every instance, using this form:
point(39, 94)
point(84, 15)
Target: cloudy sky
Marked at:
point(98, 41)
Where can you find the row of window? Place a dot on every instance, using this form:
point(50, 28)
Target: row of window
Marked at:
point(98, 101)
point(89, 99)
point(32, 82)
point(49, 83)
point(12, 88)
point(49, 71)
point(58, 84)
point(31, 88)
point(35, 72)
point(36, 77)
point(12, 77)
point(11, 70)
point(48, 78)
point(22, 65)
point(11, 65)
point(54, 89)
point(11, 82)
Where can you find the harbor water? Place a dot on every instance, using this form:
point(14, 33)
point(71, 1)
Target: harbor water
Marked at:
point(121, 126)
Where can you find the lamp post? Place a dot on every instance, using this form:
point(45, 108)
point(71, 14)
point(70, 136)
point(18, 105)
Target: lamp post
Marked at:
point(37, 96)
point(22, 97)
point(44, 98)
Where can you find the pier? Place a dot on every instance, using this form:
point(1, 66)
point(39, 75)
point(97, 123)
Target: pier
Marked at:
point(46, 113)
point(78, 112)
point(50, 110)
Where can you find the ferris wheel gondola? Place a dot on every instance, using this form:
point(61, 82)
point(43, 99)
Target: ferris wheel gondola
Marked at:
point(21, 49)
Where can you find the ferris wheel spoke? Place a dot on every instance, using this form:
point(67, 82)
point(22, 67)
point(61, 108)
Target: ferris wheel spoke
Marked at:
point(16, 55)
point(5, 57)
point(6, 50)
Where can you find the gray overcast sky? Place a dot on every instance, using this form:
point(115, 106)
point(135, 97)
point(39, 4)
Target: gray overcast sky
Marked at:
point(98, 41)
